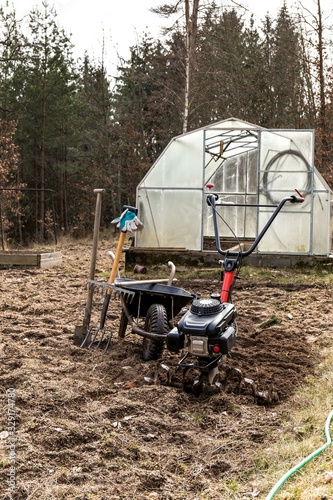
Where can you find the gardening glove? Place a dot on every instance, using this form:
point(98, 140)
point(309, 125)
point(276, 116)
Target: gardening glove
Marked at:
point(128, 222)
point(133, 225)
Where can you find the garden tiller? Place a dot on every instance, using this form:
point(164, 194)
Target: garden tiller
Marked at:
point(206, 332)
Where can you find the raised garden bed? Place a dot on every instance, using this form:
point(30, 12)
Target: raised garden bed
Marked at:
point(30, 258)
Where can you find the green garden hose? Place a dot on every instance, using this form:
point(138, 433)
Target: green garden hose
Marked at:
point(305, 461)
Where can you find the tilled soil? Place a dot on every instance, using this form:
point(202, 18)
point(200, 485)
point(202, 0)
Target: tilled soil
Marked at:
point(107, 426)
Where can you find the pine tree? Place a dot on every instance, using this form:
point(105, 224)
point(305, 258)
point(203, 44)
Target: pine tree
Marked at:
point(12, 43)
point(45, 89)
point(286, 71)
point(142, 115)
point(10, 195)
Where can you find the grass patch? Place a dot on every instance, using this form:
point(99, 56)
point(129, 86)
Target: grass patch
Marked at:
point(301, 434)
point(304, 275)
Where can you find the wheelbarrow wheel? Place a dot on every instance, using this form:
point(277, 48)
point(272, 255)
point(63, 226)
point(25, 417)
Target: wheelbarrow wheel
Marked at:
point(156, 322)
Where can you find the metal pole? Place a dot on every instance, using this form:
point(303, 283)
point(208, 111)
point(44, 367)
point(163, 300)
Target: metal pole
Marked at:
point(98, 212)
point(80, 331)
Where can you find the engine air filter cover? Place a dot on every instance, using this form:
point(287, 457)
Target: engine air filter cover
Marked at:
point(206, 306)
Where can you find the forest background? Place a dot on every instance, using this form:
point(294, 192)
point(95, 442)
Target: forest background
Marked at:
point(67, 127)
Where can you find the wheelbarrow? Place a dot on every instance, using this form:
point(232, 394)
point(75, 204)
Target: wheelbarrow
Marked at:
point(157, 304)
point(152, 303)
point(150, 300)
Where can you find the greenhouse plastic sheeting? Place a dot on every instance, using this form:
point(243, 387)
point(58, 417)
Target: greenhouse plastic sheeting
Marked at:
point(247, 164)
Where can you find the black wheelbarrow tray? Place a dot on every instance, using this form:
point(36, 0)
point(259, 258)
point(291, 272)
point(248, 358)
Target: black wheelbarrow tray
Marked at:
point(137, 298)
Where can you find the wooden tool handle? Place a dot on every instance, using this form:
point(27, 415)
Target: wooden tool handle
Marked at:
point(117, 257)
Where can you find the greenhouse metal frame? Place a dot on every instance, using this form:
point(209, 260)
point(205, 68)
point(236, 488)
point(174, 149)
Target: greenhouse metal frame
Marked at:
point(251, 168)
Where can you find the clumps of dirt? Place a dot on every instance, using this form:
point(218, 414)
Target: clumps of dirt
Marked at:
point(94, 425)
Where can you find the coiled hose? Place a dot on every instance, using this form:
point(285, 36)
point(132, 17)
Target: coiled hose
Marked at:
point(305, 461)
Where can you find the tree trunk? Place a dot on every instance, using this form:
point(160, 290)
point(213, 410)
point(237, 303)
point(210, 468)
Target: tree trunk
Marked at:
point(322, 109)
point(191, 24)
point(42, 166)
point(42, 149)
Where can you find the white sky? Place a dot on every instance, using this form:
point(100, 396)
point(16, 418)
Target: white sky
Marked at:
point(122, 22)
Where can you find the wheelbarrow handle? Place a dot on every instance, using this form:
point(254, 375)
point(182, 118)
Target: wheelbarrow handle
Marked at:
point(172, 268)
point(142, 282)
point(112, 257)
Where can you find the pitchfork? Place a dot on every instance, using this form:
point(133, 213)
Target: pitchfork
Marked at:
point(95, 335)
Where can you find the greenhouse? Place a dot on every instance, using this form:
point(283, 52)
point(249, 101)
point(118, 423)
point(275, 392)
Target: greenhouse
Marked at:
point(251, 169)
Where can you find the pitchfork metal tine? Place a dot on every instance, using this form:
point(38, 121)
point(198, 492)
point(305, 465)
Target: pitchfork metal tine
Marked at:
point(102, 337)
point(94, 338)
point(97, 330)
point(100, 340)
point(108, 341)
point(85, 338)
point(107, 344)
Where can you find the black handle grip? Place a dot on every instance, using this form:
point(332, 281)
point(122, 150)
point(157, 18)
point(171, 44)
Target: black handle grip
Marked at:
point(211, 198)
point(297, 199)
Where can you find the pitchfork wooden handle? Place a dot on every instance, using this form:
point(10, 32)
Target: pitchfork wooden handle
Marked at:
point(117, 257)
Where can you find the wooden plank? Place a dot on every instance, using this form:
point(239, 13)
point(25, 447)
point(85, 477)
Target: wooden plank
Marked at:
point(18, 259)
point(30, 259)
point(50, 259)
